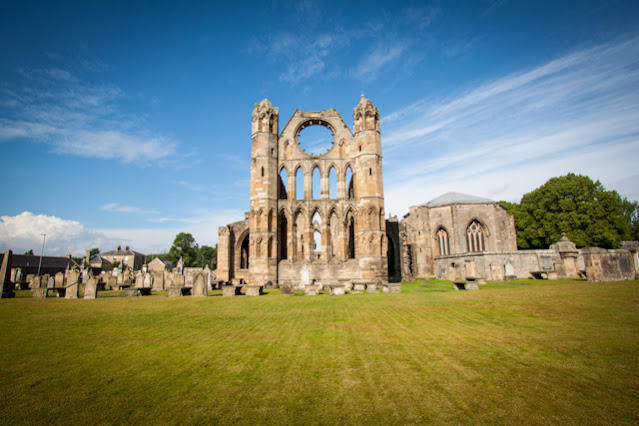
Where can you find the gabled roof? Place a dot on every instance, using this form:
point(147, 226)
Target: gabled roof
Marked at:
point(456, 198)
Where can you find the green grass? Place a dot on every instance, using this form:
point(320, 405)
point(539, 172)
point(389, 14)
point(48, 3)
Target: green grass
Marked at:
point(532, 352)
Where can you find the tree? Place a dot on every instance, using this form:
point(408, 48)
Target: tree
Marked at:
point(184, 246)
point(207, 255)
point(631, 216)
point(574, 204)
point(30, 252)
point(93, 252)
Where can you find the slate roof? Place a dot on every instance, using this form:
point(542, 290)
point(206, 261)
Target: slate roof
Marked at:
point(121, 252)
point(456, 198)
point(27, 260)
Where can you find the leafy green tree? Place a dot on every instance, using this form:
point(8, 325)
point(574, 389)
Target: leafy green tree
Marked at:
point(184, 246)
point(631, 216)
point(574, 204)
point(93, 252)
point(207, 255)
point(30, 252)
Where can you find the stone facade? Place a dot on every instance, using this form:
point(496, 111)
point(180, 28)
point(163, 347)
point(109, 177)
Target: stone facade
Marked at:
point(280, 236)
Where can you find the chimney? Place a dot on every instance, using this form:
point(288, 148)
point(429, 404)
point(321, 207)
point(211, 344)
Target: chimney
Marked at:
point(126, 248)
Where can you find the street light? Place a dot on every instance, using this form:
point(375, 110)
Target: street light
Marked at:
point(44, 236)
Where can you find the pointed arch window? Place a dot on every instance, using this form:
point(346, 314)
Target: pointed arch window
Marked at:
point(475, 237)
point(283, 182)
point(442, 240)
point(299, 184)
point(317, 182)
point(350, 187)
point(332, 184)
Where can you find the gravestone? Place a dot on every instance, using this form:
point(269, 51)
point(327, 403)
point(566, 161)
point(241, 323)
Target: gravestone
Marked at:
point(199, 285)
point(59, 279)
point(158, 280)
point(371, 288)
point(36, 282)
point(304, 277)
point(91, 288)
point(286, 287)
point(139, 279)
point(178, 280)
point(51, 282)
point(207, 274)
point(311, 290)
point(253, 290)
point(73, 286)
point(148, 281)
point(111, 282)
point(509, 271)
point(337, 289)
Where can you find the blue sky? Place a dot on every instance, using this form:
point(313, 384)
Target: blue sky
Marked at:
point(129, 122)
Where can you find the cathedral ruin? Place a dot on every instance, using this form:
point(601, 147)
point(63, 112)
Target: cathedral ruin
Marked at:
point(306, 237)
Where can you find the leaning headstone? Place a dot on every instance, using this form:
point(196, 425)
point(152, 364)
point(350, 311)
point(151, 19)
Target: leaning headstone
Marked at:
point(73, 286)
point(51, 282)
point(91, 288)
point(199, 285)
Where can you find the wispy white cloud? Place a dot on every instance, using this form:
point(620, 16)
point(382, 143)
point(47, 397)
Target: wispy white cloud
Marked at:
point(77, 118)
point(371, 65)
point(119, 208)
point(23, 232)
point(578, 113)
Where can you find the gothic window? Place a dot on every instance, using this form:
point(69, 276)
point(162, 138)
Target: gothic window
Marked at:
point(270, 220)
point(332, 183)
point(299, 184)
point(283, 182)
point(350, 188)
point(317, 182)
point(475, 237)
point(282, 228)
point(350, 228)
point(269, 252)
point(442, 240)
point(316, 225)
point(244, 253)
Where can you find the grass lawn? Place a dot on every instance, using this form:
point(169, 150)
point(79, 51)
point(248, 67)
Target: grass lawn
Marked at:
point(532, 352)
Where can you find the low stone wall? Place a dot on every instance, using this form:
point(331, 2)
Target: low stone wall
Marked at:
point(608, 265)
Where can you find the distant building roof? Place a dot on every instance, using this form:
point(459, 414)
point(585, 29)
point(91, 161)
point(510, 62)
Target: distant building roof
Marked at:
point(455, 198)
point(121, 252)
point(27, 260)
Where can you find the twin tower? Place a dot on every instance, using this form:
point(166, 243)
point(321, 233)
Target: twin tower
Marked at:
point(303, 236)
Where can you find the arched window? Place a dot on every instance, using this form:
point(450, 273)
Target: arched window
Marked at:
point(332, 183)
point(270, 220)
point(299, 184)
point(269, 252)
point(282, 229)
point(350, 229)
point(442, 240)
point(350, 187)
point(316, 224)
point(283, 182)
point(475, 237)
point(317, 182)
point(244, 253)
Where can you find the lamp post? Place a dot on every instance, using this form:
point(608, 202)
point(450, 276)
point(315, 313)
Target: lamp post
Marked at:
point(44, 236)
